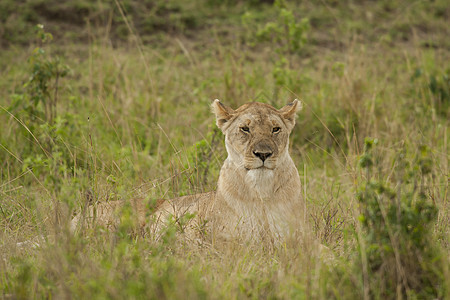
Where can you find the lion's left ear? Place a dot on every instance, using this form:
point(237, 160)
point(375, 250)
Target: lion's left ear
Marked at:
point(289, 112)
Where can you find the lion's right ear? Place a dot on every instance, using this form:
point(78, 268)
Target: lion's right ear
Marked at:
point(223, 113)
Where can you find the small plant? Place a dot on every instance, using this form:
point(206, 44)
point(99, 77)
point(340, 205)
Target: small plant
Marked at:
point(287, 32)
point(397, 222)
point(287, 36)
point(36, 106)
point(43, 85)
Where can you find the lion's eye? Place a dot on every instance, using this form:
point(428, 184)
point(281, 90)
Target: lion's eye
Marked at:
point(245, 129)
point(276, 129)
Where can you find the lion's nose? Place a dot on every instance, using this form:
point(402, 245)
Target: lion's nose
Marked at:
point(262, 155)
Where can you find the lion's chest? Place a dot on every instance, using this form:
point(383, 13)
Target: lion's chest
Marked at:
point(263, 207)
point(258, 201)
point(261, 184)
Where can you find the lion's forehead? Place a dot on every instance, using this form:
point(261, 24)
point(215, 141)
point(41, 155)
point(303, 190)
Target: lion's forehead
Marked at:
point(260, 118)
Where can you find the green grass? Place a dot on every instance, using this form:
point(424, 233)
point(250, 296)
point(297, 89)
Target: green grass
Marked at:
point(133, 120)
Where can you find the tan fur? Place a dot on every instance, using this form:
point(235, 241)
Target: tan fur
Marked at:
point(255, 198)
point(107, 214)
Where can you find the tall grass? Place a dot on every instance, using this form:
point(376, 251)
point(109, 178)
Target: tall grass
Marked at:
point(132, 121)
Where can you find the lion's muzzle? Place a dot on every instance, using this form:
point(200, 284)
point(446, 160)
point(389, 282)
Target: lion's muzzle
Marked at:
point(261, 154)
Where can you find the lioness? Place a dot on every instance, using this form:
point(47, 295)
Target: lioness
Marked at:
point(258, 192)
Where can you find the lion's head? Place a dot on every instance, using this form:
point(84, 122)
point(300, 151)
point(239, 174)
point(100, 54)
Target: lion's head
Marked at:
point(256, 134)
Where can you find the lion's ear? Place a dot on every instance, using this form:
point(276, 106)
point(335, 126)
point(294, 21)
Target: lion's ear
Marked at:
point(289, 112)
point(223, 113)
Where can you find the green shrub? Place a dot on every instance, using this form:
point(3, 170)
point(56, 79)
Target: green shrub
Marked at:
point(397, 224)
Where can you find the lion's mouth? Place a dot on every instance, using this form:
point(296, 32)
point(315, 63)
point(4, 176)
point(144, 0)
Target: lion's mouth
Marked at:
point(262, 167)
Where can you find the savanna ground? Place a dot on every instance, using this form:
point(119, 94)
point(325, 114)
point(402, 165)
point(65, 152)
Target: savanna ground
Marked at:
point(115, 105)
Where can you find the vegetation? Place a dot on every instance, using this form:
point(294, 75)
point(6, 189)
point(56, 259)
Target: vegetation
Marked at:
point(110, 100)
